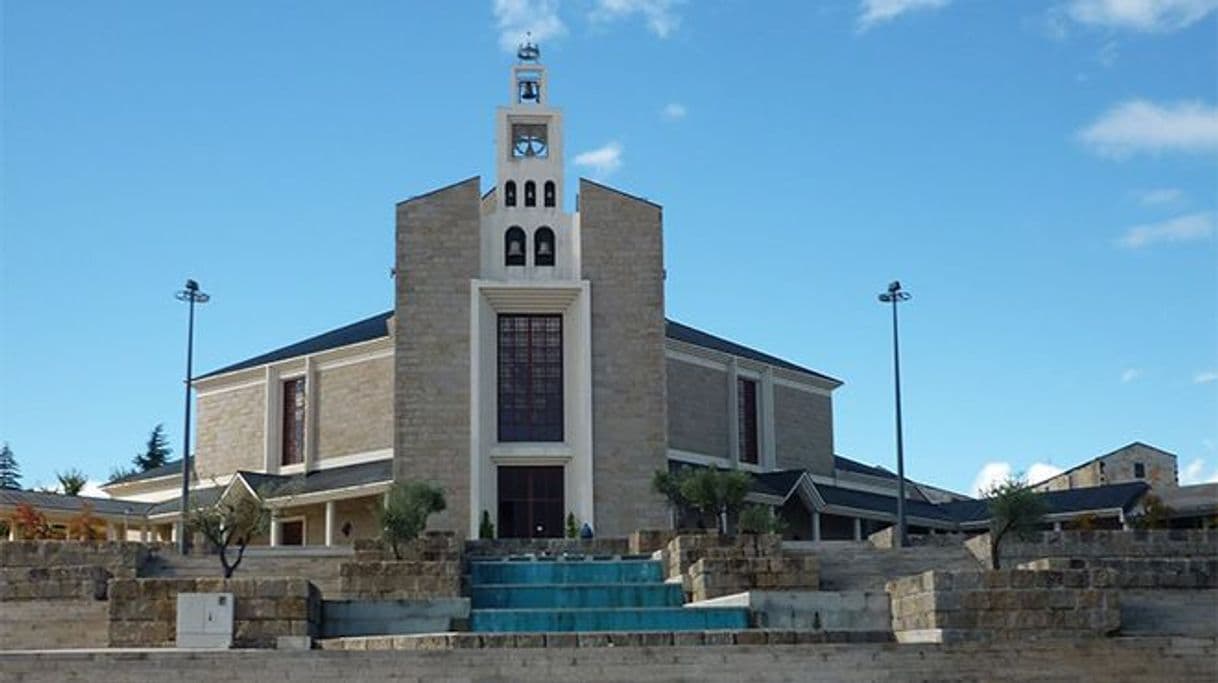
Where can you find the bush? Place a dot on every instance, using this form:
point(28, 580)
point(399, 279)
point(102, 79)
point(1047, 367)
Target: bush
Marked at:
point(572, 526)
point(760, 519)
point(406, 510)
point(716, 492)
point(486, 528)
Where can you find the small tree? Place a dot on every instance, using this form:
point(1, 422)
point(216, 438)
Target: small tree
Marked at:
point(31, 523)
point(486, 528)
point(572, 526)
point(230, 523)
point(10, 471)
point(406, 510)
point(668, 484)
point(760, 519)
point(86, 526)
point(1155, 513)
point(72, 481)
point(156, 452)
point(716, 492)
point(1015, 510)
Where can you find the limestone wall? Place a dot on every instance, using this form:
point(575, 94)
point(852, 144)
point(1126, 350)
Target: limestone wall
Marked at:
point(697, 409)
point(1175, 573)
point(397, 580)
point(87, 582)
point(355, 408)
point(1004, 604)
point(230, 428)
point(143, 612)
point(1181, 660)
point(121, 558)
point(622, 252)
point(438, 251)
point(1143, 543)
point(803, 430)
point(711, 565)
point(53, 624)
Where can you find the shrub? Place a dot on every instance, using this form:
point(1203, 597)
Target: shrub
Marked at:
point(716, 492)
point(31, 523)
point(86, 526)
point(404, 515)
point(572, 526)
point(760, 519)
point(1015, 510)
point(486, 528)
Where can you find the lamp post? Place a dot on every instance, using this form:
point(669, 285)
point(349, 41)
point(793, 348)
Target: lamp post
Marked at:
point(895, 295)
point(192, 296)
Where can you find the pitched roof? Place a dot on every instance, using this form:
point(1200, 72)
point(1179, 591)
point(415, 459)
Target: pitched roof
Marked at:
point(328, 480)
point(198, 498)
point(168, 469)
point(1109, 497)
point(778, 483)
point(370, 328)
point(1114, 451)
point(59, 502)
point(875, 502)
point(848, 465)
point(375, 327)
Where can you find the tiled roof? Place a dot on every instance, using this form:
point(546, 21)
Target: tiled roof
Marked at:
point(875, 502)
point(375, 327)
point(60, 503)
point(1108, 497)
point(328, 480)
point(170, 468)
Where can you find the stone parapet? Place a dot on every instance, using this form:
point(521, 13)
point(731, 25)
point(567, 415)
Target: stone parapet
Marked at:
point(143, 612)
point(647, 541)
point(1004, 604)
point(1148, 543)
point(1186, 573)
point(400, 580)
point(53, 583)
point(433, 547)
point(712, 577)
point(684, 550)
point(123, 559)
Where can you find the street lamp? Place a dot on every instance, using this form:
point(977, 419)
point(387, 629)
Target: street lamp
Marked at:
point(895, 295)
point(193, 296)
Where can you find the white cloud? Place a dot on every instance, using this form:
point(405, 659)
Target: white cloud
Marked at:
point(1161, 195)
point(1205, 377)
point(1187, 228)
point(93, 489)
point(516, 18)
point(1149, 16)
point(673, 111)
point(1130, 375)
point(997, 472)
point(1194, 473)
point(1142, 126)
point(872, 12)
point(603, 160)
point(660, 15)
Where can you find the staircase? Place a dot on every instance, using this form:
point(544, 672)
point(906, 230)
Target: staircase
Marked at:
point(860, 566)
point(317, 564)
point(528, 594)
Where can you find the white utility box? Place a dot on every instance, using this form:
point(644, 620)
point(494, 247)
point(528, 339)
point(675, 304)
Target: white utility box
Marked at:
point(205, 620)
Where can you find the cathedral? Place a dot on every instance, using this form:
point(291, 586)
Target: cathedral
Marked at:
point(528, 369)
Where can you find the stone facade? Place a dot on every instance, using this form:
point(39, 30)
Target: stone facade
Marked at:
point(231, 431)
point(355, 408)
point(623, 256)
point(429, 567)
point(1159, 469)
point(438, 252)
point(710, 565)
point(143, 612)
point(803, 430)
point(1004, 604)
point(697, 409)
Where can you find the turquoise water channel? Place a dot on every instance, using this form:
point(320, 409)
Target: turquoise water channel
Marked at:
point(519, 595)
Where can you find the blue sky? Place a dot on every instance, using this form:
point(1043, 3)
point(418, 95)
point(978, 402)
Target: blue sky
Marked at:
point(1040, 175)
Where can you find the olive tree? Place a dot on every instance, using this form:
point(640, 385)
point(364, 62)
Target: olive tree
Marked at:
point(716, 492)
point(407, 507)
point(229, 523)
point(1015, 510)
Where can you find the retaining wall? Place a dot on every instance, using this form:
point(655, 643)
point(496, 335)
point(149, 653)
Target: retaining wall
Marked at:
point(400, 580)
point(1144, 543)
point(121, 558)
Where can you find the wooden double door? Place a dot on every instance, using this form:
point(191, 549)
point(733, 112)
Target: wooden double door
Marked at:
point(531, 502)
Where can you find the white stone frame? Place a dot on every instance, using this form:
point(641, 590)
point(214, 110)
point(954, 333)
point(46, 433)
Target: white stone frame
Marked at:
point(573, 301)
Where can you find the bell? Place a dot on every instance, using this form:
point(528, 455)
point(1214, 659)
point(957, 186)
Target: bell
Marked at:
point(544, 249)
point(515, 248)
point(528, 91)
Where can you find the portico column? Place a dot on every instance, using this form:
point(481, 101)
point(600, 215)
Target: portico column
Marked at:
point(330, 522)
point(173, 533)
point(144, 533)
point(111, 532)
point(858, 529)
point(1057, 526)
point(815, 525)
point(274, 528)
point(12, 530)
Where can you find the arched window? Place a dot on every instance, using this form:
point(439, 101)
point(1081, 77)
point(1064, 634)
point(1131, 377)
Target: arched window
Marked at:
point(509, 193)
point(530, 193)
point(543, 242)
point(548, 193)
point(513, 246)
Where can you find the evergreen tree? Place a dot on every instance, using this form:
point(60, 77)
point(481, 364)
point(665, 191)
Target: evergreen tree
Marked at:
point(72, 481)
point(156, 452)
point(10, 472)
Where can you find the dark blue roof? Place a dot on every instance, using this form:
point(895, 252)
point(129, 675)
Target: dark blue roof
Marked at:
point(857, 467)
point(367, 329)
point(875, 502)
point(169, 468)
point(1108, 497)
point(326, 480)
point(376, 327)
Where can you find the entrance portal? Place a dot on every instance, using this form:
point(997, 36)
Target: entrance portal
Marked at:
point(531, 502)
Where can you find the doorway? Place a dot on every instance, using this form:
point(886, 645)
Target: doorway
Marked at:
point(531, 502)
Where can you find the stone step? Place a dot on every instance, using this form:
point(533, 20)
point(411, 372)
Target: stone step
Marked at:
point(576, 596)
point(565, 571)
point(632, 619)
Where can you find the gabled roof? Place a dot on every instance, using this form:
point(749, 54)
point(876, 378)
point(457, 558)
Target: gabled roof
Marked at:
point(838, 496)
point(375, 327)
point(1114, 451)
point(373, 472)
point(370, 328)
point(199, 498)
point(1109, 497)
point(59, 502)
point(168, 469)
point(848, 465)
